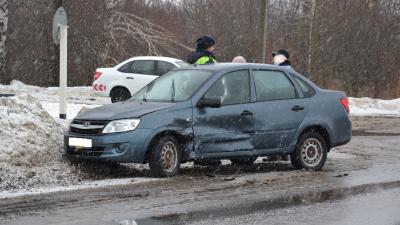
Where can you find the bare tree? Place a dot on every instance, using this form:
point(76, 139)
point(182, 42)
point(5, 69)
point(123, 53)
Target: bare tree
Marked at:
point(313, 6)
point(264, 25)
point(351, 45)
point(127, 25)
point(3, 30)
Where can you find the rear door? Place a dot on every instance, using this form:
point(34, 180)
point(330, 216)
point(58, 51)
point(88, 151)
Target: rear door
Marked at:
point(278, 109)
point(231, 127)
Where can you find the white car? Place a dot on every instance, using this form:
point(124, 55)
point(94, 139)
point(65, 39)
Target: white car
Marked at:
point(127, 78)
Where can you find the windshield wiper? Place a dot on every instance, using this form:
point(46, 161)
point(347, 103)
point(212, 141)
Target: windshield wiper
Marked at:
point(144, 96)
point(173, 91)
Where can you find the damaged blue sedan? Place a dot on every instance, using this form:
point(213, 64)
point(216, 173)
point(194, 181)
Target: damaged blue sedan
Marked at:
point(222, 111)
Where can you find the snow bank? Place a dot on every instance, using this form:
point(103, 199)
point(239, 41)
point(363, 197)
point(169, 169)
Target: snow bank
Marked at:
point(30, 145)
point(76, 95)
point(374, 107)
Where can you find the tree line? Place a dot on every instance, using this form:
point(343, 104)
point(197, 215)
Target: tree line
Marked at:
point(350, 45)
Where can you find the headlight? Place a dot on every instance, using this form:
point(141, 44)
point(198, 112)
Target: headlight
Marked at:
point(121, 126)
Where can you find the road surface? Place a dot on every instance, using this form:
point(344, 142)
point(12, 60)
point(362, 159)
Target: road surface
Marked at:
point(359, 185)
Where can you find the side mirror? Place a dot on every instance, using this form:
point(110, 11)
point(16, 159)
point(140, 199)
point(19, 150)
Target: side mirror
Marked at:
point(209, 103)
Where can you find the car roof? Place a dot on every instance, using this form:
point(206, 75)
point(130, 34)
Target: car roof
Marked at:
point(234, 66)
point(161, 58)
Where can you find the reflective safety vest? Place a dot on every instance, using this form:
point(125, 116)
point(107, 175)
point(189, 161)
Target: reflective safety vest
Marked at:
point(205, 60)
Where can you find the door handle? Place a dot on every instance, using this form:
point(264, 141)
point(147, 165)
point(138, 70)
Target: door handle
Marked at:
point(130, 78)
point(297, 108)
point(246, 113)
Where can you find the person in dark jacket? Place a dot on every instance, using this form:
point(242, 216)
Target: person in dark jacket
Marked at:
point(281, 58)
point(204, 52)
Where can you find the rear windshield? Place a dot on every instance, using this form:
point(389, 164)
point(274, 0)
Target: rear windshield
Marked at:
point(174, 86)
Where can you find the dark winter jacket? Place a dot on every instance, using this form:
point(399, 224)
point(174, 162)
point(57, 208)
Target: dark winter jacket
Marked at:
point(201, 57)
point(287, 64)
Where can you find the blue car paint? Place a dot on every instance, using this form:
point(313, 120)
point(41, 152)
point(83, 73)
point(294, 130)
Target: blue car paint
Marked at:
point(272, 129)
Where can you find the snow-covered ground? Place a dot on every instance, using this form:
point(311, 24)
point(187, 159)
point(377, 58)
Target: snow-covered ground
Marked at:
point(374, 107)
point(31, 142)
point(31, 136)
point(82, 185)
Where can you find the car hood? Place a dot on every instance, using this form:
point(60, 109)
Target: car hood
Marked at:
point(123, 110)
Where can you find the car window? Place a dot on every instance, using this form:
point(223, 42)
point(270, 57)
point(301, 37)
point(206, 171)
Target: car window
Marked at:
point(177, 85)
point(307, 90)
point(232, 88)
point(273, 85)
point(144, 67)
point(126, 67)
point(164, 67)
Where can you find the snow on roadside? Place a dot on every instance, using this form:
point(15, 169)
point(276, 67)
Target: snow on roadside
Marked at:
point(374, 107)
point(31, 146)
point(83, 185)
point(76, 95)
point(31, 143)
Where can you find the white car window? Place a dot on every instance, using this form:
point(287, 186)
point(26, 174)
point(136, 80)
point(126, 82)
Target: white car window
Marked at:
point(126, 68)
point(164, 67)
point(144, 67)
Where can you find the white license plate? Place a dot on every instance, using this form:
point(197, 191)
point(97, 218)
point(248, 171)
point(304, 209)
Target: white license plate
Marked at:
point(80, 142)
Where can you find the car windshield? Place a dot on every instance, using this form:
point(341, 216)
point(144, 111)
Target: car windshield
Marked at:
point(174, 86)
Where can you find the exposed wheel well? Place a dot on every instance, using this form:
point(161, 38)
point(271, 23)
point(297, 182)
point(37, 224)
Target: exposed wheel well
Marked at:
point(322, 131)
point(182, 139)
point(116, 87)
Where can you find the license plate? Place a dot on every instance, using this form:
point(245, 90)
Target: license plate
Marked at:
point(80, 142)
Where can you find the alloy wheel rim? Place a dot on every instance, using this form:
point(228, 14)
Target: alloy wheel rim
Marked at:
point(311, 152)
point(169, 157)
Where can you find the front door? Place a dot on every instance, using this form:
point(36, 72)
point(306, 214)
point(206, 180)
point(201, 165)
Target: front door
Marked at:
point(228, 128)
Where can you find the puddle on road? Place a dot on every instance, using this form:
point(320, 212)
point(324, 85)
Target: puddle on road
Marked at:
point(262, 205)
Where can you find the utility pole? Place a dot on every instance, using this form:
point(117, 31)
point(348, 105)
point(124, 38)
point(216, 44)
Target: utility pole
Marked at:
point(264, 26)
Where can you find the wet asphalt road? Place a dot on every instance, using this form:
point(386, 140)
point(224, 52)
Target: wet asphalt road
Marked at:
point(360, 180)
point(381, 208)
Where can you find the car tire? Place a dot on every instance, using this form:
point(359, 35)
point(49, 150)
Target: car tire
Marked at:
point(119, 94)
point(310, 153)
point(165, 157)
point(244, 161)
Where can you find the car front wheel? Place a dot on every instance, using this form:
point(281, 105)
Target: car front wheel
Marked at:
point(165, 157)
point(310, 153)
point(119, 94)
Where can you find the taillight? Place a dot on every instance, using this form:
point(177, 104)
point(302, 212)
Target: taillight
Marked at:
point(345, 103)
point(97, 75)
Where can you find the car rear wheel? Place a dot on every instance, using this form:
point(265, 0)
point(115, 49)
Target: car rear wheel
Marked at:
point(119, 94)
point(310, 153)
point(244, 161)
point(165, 157)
